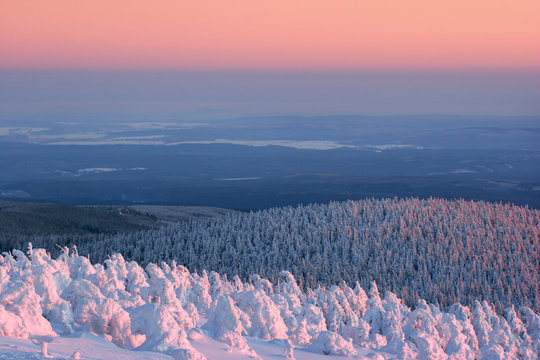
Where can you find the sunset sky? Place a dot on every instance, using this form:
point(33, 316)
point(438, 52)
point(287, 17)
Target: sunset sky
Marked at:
point(204, 59)
point(277, 34)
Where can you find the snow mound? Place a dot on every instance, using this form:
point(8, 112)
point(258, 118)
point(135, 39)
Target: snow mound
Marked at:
point(153, 309)
point(331, 343)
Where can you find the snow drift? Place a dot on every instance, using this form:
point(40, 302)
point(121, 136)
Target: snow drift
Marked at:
point(156, 308)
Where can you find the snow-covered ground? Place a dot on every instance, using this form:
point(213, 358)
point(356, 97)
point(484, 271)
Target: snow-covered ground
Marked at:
point(89, 346)
point(95, 347)
point(121, 311)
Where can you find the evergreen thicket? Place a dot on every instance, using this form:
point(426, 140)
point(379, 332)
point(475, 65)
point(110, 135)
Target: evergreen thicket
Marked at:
point(443, 251)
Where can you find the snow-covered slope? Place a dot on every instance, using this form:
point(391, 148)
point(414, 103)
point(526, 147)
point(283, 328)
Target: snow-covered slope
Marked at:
point(439, 250)
point(81, 309)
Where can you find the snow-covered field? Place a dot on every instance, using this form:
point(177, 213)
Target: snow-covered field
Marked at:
point(121, 311)
point(95, 347)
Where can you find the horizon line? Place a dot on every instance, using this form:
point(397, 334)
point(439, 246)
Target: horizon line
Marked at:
point(306, 70)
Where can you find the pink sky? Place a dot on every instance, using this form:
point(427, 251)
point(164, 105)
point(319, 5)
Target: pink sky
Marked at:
point(269, 34)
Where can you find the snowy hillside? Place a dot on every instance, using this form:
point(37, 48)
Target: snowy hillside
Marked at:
point(76, 308)
point(439, 250)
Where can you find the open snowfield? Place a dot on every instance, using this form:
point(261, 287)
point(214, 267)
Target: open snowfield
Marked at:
point(91, 346)
point(118, 310)
point(94, 347)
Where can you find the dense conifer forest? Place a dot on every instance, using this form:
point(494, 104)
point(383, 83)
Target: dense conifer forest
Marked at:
point(441, 250)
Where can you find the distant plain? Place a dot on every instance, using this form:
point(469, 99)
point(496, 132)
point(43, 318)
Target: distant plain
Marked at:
point(256, 163)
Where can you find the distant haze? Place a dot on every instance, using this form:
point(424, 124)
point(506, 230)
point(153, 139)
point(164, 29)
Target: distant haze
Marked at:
point(104, 96)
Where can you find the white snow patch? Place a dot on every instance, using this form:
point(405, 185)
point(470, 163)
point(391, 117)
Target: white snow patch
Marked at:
point(97, 170)
point(238, 179)
point(296, 144)
point(14, 193)
point(395, 146)
point(462, 171)
point(5, 131)
point(145, 137)
point(109, 142)
point(69, 136)
point(163, 125)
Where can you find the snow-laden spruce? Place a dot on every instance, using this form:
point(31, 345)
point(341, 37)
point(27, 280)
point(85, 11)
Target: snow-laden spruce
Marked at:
point(160, 308)
point(439, 250)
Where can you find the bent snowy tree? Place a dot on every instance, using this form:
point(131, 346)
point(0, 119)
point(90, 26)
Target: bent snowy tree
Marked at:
point(162, 308)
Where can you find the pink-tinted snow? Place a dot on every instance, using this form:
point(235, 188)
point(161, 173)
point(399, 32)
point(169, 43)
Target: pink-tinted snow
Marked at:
point(122, 311)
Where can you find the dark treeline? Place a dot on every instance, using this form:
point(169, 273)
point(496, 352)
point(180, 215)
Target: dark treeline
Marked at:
point(440, 250)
